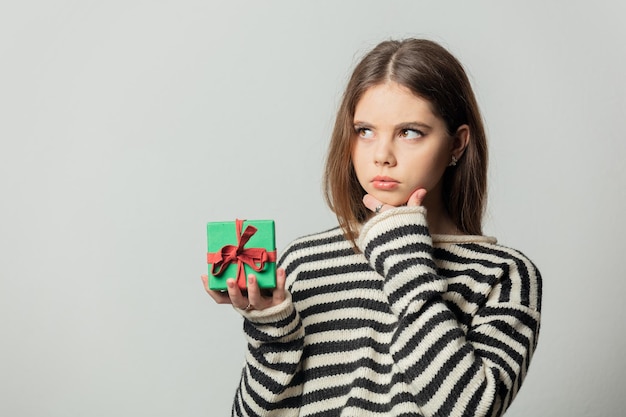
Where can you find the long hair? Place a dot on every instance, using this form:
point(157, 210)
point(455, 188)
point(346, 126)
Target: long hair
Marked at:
point(434, 74)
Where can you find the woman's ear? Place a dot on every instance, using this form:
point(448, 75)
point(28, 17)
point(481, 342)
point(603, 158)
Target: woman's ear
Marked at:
point(460, 140)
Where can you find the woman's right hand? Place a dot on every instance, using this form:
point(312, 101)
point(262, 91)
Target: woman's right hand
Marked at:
point(415, 199)
point(254, 300)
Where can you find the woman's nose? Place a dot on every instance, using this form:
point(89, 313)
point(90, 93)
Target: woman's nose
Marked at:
point(384, 154)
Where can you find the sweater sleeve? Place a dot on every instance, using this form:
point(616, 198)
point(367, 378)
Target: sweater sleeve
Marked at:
point(275, 341)
point(454, 370)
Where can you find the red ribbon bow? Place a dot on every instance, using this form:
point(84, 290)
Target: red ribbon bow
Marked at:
point(255, 258)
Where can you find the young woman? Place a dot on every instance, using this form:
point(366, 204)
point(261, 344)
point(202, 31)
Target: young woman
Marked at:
point(405, 309)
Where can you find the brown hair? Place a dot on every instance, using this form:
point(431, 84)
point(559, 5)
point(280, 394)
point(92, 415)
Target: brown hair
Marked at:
point(432, 73)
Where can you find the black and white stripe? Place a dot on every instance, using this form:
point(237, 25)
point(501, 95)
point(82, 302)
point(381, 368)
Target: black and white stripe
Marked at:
point(413, 326)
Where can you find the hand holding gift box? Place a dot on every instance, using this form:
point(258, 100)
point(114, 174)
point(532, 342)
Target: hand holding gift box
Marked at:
point(236, 249)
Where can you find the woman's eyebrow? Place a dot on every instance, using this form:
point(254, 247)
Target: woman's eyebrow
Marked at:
point(413, 124)
point(405, 125)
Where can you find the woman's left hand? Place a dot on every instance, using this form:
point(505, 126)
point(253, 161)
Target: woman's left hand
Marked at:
point(254, 299)
point(371, 202)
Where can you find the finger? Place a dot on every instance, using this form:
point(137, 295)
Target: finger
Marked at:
point(374, 204)
point(254, 293)
point(417, 197)
point(371, 202)
point(236, 297)
point(279, 292)
point(220, 297)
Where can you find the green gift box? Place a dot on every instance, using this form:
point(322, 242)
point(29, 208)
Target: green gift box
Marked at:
point(239, 248)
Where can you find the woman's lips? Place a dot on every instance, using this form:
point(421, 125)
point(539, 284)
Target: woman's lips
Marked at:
point(384, 183)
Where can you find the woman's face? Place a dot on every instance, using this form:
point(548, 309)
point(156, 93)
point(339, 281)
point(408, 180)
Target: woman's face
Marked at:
point(400, 145)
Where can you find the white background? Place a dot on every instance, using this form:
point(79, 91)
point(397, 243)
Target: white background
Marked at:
point(126, 125)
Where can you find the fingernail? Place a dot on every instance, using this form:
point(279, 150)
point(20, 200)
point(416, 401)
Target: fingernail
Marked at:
point(251, 279)
point(230, 283)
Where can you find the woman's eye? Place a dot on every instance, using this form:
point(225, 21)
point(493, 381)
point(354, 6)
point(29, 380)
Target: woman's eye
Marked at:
point(365, 133)
point(411, 134)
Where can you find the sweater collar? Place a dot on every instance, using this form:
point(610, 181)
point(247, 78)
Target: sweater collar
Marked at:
point(463, 239)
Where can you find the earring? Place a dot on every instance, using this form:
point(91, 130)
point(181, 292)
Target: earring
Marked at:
point(453, 162)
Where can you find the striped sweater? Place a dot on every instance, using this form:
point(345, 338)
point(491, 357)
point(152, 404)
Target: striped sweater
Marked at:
point(413, 326)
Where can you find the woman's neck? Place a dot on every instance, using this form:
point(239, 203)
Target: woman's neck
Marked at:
point(438, 218)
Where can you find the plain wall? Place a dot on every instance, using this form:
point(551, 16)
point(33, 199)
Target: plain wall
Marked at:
point(126, 125)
